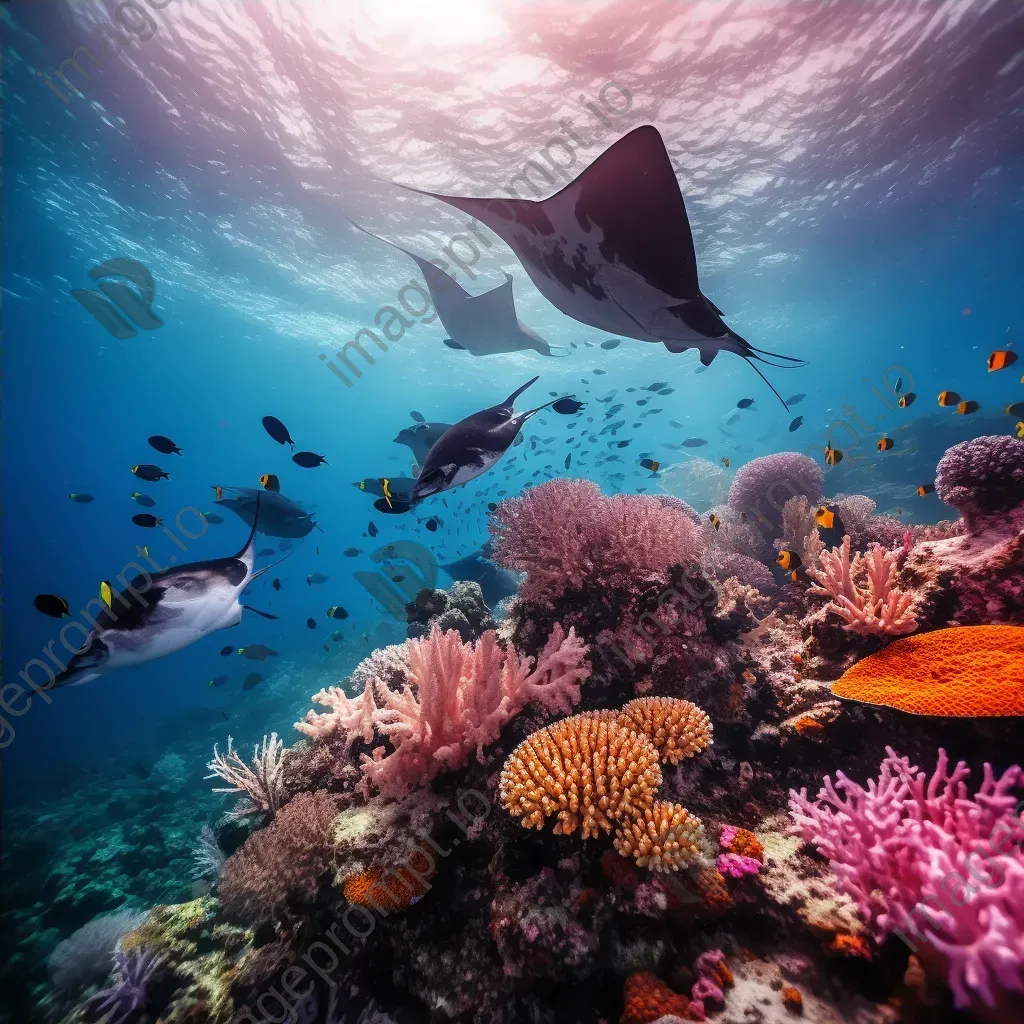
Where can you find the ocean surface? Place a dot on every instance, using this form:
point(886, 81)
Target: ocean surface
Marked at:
point(853, 178)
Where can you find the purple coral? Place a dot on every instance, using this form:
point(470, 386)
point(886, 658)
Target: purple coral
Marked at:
point(982, 477)
point(763, 486)
point(130, 984)
point(902, 848)
point(746, 569)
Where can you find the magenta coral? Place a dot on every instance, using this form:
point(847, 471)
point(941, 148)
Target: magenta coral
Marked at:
point(737, 865)
point(745, 569)
point(566, 534)
point(982, 477)
point(456, 697)
point(902, 849)
point(863, 591)
point(762, 487)
point(707, 991)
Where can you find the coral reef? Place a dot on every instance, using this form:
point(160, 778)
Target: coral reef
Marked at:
point(762, 487)
point(982, 478)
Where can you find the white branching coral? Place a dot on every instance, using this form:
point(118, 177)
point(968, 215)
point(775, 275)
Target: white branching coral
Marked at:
point(262, 782)
point(863, 590)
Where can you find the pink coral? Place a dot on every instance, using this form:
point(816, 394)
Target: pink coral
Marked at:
point(456, 697)
point(902, 848)
point(712, 973)
point(864, 592)
point(762, 487)
point(745, 569)
point(982, 477)
point(737, 865)
point(566, 535)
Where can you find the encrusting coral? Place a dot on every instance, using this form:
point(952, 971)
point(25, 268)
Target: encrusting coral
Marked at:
point(964, 672)
point(600, 769)
point(457, 696)
point(863, 590)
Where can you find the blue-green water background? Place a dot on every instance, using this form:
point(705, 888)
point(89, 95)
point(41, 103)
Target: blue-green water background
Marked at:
point(853, 178)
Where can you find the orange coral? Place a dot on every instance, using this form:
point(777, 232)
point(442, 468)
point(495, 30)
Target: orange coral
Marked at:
point(960, 672)
point(397, 891)
point(647, 998)
point(666, 838)
point(792, 999)
point(850, 945)
point(805, 725)
point(745, 843)
point(677, 728)
point(586, 769)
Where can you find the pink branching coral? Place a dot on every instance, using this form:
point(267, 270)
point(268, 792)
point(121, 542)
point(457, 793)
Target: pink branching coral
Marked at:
point(262, 782)
point(902, 849)
point(864, 592)
point(737, 865)
point(456, 697)
point(566, 534)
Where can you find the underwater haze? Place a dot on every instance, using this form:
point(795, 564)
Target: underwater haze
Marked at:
point(712, 422)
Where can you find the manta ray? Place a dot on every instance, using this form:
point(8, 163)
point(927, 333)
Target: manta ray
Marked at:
point(482, 325)
point(421, 437)
point(165, 612)
point(614, 250)
point(278, 516)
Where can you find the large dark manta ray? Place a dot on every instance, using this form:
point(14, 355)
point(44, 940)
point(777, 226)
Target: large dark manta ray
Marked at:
point(614, 250)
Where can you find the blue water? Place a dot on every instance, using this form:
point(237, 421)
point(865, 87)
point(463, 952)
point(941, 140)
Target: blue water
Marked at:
point(863, 212)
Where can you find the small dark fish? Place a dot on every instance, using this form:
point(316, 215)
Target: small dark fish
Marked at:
point(599, 373)
point(568, 459)
point(164, 445)
point(257, 652)
point(278, 431)
point(907, 399)
point(827, 517)
point(643, 401)
point(1017, 409)
point(145, 519)
point(714, 521)
point(694, 442)
point(143, 499)
point(492, 506)
point(225, 651)
point(327, 649)
point(308, 460)
point(667, 391)
point(351, 552)
point(833, 456)
point(145, 471)
point(276, 584)
point(337, 612)
point(657, 385)
point(212, 517)
point(947, 398)
point(621, 444)
point(418, 416)
point(251, 680)
point(316, 577)
point(899, 385)
point(925, 489)
point(789, 560)
point(219, 680)
point(966, 408)
point(52, 605)
point(610, 343)
point(795, 399)
point(796, 424)
point(652, 464)
point(271, 483)
point(264, 552)
point(886, 444)
point(371, 529)
point(431, 524)
point(311, 623)
point(81, 498)
point(1000, 360)
point(744, 403)
point(567, 406)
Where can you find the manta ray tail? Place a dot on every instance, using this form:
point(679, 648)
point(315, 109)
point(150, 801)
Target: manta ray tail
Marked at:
point(266, 615)
point(359, 227)
point(267, 568)
point(252, 533)
point(518, 391)
point(750, 353)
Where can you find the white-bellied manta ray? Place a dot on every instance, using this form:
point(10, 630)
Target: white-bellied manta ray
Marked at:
point(614, 250)
point(164, 613)
point(466, 450)
point(482, 325)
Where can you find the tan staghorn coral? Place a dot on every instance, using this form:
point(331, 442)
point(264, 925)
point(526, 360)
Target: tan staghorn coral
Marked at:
point(601, 769)
point(677, 728)
point(666, 838)
point(587, 769)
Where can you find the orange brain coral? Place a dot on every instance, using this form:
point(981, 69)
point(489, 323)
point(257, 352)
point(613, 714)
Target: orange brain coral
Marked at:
point(961, 672)
point(647, 998)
